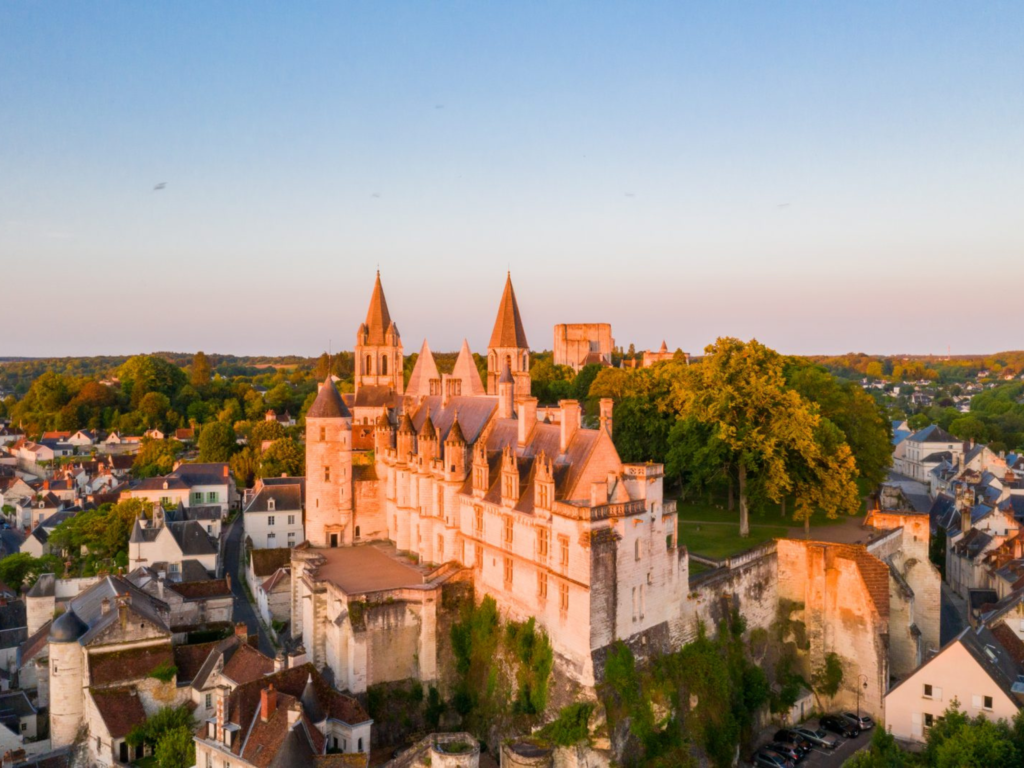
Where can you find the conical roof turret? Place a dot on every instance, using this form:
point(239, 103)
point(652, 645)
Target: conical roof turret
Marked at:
point(508, 326)
point(428, 430)
point(465, 369)
point(328, 403)
point(422, 373)
point(405, 426)
point(455, 435)
point(67, 627)
point(310, 703)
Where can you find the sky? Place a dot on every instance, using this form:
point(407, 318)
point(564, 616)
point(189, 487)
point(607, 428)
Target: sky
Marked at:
point(824, 177)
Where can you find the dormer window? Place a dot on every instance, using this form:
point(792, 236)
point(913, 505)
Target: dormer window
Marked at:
point(271, 505)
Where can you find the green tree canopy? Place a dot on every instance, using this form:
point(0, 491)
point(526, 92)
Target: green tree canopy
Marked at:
point(216, 442)
point(199, 375)
point(283, 457)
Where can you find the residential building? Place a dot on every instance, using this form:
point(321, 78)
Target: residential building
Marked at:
point(273, 516)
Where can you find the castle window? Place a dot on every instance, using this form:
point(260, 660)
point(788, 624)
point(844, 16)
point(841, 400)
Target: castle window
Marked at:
point(542, 585)
point(357, 531)
point(369, 364)
point(440, 548)
point(563, 597)
point(636, 604)
point(383, 365)
point(327, 474)
point(508, 361)
point(638, 546)
point(479, 522)
point(360, 743)
point(507, 535)
point(508, 572)
point(479, 556)
point(323, 434)
point(563, 545)
point(542, 543)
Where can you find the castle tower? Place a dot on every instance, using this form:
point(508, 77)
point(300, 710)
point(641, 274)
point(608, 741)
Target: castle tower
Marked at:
point(328, 470)
point(506, 394)
point(379, 361)
point(67, 662)
point(455, 463)
point(508, 345)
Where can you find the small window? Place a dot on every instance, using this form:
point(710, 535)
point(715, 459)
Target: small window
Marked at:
point(563, 542)
point(360, 748)
point(270, 520)
point(211, 496)
point(327, 474)
point(271, 505)
point(323, 434)
point(563, 597)
point(508, 572)
point(291, 519)
point(638, 547)
point(929, 721)
point(542, 585)
point(357, 531)
point(927, 691)
point(988, 702)
point(209, 700)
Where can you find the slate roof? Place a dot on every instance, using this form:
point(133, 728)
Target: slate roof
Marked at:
point(215, 473)
point(192, 538)
point(120, 708)
point(932, 434)
point(378, 318)
point(266, 561)
point(17, 704)
point(508, 325)
point(275, 481)
point(374, 396)
point(328, 404)
point(88, 605)
point(12, 615)
point(287, 498)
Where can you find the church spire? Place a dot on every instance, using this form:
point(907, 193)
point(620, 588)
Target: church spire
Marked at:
point(508, 326)
point(378, 319)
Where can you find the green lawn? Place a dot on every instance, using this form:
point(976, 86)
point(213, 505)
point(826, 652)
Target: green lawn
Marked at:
point(711, 530)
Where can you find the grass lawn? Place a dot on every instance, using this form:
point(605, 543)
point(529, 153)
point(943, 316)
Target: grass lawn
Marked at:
point(710, 529)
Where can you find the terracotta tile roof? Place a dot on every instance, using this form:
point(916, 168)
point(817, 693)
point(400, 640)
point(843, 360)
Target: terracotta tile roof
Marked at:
point(266, 561)
point(280, 575)
point(189, 659)
point(1010, 641)
point(120, 708)
point(346, 760)
point(201, 590)
point(508, 326)
point(247, 664)
point(130, 664)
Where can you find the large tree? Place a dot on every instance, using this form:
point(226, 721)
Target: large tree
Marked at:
point(740, 392)
point(200, 373)
point(216, 442)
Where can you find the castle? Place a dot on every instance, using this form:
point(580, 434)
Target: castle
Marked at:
point(411, 488)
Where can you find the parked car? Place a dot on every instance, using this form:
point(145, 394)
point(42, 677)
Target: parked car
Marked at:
point(818, 737)
point(863, 722)
point(791, 737)
point(788, 752)
point(839, 724)
point(768, 759)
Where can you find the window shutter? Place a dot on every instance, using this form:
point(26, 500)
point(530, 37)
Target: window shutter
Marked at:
point(976, 702)
point(936, 693)
point(915, 724)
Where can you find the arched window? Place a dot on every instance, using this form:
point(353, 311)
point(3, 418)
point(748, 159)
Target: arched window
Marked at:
point(508, 361)
point(383, 365)
point(369, 364)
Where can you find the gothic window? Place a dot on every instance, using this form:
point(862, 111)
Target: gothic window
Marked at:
point(507, 537)
point(383, 365)
point(542, 543)
point(508, 572)
point(542, 585)
point(369, 364)
point(508, 361)
point(563, 544)
point(327, 474)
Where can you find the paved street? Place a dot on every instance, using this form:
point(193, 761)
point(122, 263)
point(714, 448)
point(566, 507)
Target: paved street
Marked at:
point(243, 609)
point(823, 758)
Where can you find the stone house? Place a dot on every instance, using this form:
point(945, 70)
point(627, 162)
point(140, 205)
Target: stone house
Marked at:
point(262, 564)
point(273, 515)
point(274, 597)
point(192, 603)
point(18, 718)
point(290, 717)
point(975, 668)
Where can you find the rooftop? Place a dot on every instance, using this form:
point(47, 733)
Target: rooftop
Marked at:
point(368, 568)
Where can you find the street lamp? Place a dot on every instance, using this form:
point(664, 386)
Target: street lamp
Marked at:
point(865, 678)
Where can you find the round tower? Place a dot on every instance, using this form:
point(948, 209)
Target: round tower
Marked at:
point(328, 470)
point(67, 663)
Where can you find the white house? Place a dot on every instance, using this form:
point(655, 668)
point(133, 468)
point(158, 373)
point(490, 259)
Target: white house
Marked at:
point(975, 668)
point(273, 517)
point(190, 485)
point(155, 542)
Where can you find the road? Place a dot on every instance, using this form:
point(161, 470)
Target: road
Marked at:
point(243, 610)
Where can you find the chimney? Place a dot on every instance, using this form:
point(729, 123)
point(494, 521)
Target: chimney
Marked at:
point(279, 662)
point(598, 493)
point(294, 712)
point(159, 587)
point(226, 470)
point(268, 703)
point(527, 415)
point(222, 712)
point(570, 422)
point(105, 604)
point(242, 631)
point(606, 415)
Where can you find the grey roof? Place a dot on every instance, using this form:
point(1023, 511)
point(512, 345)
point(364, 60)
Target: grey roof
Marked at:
point(296, 748)
point(45, 586)
point(935, 458)
point(328, 404)
point(206, 512)
point(993, 658)
point(310, 702)
point(192, 538)
point(932, 434)
point(217, 473)
point(67, 628)
point(12, 615)
point(193, 570)
point(88, 606)
point(286, 498)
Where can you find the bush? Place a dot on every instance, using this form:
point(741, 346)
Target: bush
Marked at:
point(571, 727)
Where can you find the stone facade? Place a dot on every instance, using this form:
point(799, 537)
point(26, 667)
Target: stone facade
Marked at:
point(580, 344)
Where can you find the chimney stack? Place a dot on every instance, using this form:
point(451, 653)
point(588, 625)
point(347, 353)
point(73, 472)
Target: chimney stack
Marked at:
point(268, 703)
point(105, 605)
point(279, 662)
point(242, 631)
point(294, 713)
point(222, 712)
point(569, 422)
point(527, 415)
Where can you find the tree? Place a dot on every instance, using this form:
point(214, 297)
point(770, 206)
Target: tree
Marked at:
point(883, 752)
point(968, 428)
point(245, 465)
point(156, 457)
point(323, 367)
point(200, 374)
point(280, 398)
point(216, 442)
point(266, 430)
point(154, 407)
point(21, 569)
point(739, 390)
point(147, 373)
point(283, 457)
point(918, 421)
point(176, 749)
point(824, 478)
point(874, 370)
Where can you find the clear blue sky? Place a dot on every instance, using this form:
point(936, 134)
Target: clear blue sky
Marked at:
point(825, 177)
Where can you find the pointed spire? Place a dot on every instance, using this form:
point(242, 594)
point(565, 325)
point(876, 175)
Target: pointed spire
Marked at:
point(466, 370)
point(427, 430)
point(328, 403)
point(455, 435)
point(422, 373)
point(405, 427)
point(508, 327)
point(378, 319)
point(310, 703)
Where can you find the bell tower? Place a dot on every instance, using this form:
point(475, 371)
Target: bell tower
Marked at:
point(508, 345)
point(379, 361)
point(329, 470)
